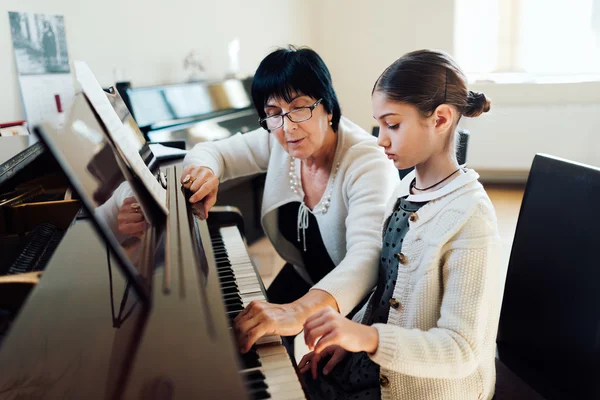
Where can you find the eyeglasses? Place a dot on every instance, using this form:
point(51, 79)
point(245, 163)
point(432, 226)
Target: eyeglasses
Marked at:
point(296, 115)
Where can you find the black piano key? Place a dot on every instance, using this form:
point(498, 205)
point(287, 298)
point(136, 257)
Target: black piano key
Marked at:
point(256, 385)
point(254, 375)
point(40, 246)
point(230, 288)
point(234, 302)
point(259, 395)
point(230, 291)
point(233, 296)
point(226, 274)
point(250, 360)
point(227, 280)
point(234, 308)
point(232, 299)
point(232, 315)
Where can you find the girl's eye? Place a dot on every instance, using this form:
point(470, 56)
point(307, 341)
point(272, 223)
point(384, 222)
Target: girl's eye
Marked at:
point(393, 127)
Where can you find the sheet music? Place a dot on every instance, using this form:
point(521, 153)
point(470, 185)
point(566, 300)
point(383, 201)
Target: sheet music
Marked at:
point(118, 132)
point(164, 152)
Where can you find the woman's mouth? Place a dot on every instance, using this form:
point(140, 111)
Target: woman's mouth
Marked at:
point(295, 142)
point(390, 156)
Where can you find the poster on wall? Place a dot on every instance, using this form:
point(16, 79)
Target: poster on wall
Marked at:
point(40, 48)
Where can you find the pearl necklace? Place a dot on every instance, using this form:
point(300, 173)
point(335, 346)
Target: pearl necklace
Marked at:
point(303, 210)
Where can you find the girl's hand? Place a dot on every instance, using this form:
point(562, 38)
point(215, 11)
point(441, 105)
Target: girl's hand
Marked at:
point(328, 327)
point(311, 360)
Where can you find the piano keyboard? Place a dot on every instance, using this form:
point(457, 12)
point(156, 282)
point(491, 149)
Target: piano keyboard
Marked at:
point(266, 369)
point(36, 253)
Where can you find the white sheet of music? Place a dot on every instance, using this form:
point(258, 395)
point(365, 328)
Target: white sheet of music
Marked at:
point(118, 132)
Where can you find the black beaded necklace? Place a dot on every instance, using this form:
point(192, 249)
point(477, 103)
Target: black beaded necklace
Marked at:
point(414, 181)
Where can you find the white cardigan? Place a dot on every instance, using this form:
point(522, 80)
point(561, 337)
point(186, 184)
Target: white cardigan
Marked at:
point(440, 343)
point(350, 228)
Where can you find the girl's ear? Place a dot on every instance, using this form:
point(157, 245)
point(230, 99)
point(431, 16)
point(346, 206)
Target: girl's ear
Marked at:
point(443, 117)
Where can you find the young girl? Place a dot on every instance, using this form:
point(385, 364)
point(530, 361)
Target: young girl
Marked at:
point(429, 329)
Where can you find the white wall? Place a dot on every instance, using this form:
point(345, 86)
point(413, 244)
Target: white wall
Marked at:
point(358, 39)
point(148, 39)
point(559, 119)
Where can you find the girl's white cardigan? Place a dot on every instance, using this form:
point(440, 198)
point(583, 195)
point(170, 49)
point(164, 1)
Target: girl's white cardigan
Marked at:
point(440, 342)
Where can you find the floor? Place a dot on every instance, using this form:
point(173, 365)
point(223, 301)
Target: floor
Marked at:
point(506, 200)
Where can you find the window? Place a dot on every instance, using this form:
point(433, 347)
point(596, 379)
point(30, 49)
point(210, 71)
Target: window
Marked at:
point(537, 38)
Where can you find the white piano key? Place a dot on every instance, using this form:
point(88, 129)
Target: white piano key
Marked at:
point(276, 366)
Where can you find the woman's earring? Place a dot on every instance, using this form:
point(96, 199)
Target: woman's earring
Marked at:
point(330, 123)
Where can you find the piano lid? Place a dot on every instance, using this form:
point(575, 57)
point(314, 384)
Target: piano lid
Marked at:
point(122, 211)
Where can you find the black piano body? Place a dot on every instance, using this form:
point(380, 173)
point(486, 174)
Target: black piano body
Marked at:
point(35, 211)
point(83, 333)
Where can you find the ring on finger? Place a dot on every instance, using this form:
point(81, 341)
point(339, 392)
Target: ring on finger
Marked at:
point(188, 179)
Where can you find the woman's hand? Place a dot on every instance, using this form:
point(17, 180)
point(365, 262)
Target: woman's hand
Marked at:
point(328, 327)
point(203, 184)
point(311, 360)
point(131, 219)
point(260, 318)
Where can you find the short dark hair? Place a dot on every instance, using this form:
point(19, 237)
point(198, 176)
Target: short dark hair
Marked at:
point(428, 78)
point(291, 70)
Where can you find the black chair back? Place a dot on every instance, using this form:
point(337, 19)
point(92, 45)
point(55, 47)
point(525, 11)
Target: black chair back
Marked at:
point(549, 332)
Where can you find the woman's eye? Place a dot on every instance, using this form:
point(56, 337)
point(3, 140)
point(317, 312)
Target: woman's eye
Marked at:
point(393, 126)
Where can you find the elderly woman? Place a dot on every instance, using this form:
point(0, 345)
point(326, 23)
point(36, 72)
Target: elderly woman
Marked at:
point(325, 191)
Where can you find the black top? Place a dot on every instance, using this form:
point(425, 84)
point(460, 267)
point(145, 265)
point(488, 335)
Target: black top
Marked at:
point(393, 238)
point(316, 259)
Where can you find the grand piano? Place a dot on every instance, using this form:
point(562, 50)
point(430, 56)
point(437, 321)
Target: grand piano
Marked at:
point(147, 317)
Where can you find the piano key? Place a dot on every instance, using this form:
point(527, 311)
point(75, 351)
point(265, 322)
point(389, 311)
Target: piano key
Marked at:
point(266, 369)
